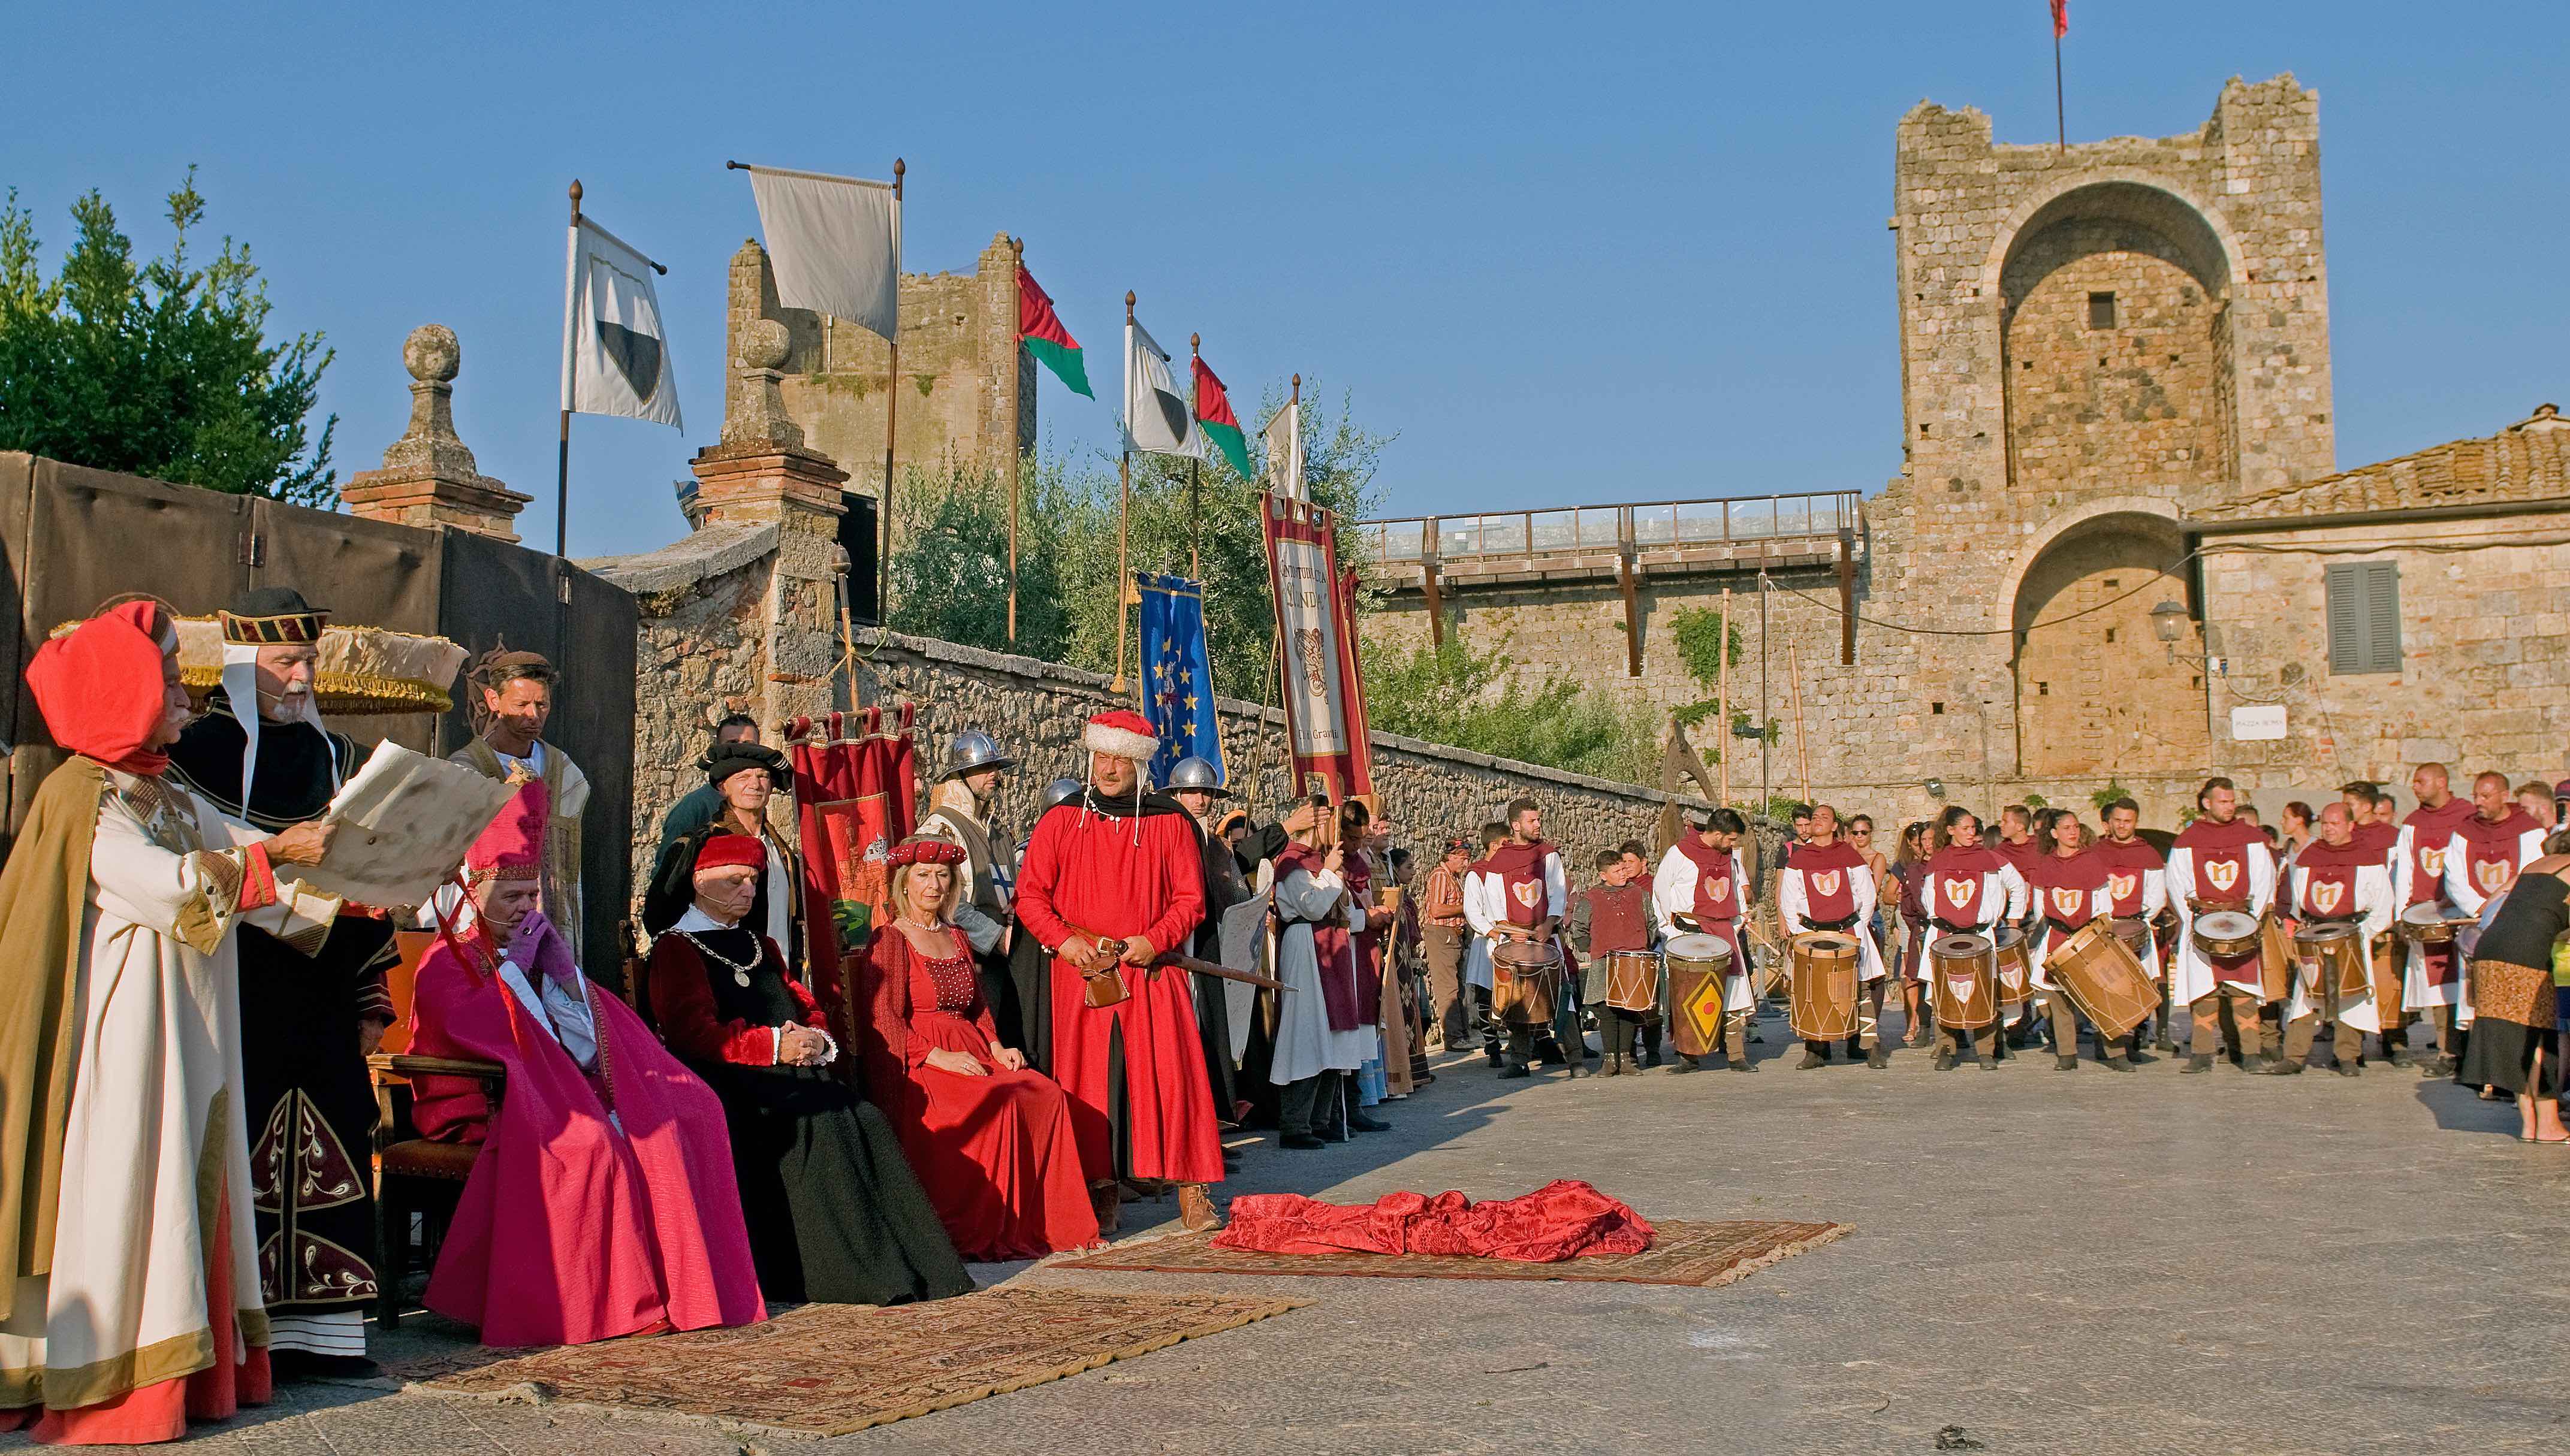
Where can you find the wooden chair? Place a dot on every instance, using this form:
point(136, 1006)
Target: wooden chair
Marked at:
point(414, 1175)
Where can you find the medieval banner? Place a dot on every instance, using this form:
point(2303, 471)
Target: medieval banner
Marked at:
point(855, 788)
point(1315, 631)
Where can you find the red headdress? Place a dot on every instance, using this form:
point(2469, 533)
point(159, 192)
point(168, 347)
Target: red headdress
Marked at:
point(1124, 733)
point(100, 689)
point(923, 850)
point(732, 848)
point(513, 847)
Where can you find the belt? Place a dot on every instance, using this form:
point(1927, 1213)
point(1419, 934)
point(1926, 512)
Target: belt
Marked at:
point(1950, 928)
point(1841, 923)
point(1457, 923)
point(2060, 927)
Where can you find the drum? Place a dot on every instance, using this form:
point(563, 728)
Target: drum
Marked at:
point(2095, 966)
point(2336, 955)
point(2135, 933)
point(1825, 971)
point(1965, 985)
point(1522, 979)
point(2015, 966)
point(2227, 934)
point(1633, 980)
point(2387, 969)
point(1698, 966)
point(2429, 924)
point(2274, 960)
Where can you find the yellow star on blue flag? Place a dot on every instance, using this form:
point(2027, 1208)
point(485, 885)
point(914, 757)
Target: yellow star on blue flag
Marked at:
point(1180, 701)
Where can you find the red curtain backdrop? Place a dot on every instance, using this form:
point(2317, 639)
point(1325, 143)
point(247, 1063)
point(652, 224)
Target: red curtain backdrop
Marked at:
point(856, 792)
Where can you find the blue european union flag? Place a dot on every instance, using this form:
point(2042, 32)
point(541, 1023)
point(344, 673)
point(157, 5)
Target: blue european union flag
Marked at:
point(1177, 676)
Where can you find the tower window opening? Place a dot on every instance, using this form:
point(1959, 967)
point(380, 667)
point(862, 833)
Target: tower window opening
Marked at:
point(2101, 311)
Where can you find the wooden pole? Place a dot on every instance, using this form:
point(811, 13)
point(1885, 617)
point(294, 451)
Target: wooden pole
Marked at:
point(1017, 422)
point(1124, 506)
point(2060, 123)
point(1801, 743)
point(892, 406)
point(1721, 704)
point(562, 451)
point(1195, 500)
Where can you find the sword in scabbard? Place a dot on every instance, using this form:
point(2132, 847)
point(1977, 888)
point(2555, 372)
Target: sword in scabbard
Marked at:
point(1174, 961)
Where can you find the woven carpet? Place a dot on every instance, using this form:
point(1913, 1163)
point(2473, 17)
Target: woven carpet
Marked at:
point(1686, 1251)
point(828, 1369)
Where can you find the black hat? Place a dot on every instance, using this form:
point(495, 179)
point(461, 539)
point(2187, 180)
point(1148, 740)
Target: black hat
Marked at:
point(727, 758)
point(267, 616)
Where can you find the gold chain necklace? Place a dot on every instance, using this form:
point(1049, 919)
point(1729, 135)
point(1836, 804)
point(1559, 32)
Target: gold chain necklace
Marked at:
point(739, 970)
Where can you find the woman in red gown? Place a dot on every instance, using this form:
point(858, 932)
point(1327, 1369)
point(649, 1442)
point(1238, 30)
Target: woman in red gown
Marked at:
point(991, 1140)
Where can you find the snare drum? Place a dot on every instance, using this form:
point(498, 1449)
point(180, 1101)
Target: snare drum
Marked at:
point(2096, 968)
point(2227, 934)
point(1523, 976)
point(2135, 933)
point(1964, 984)
point(2429, 924)
point(1825, 971)
point(2335, 954)
point(1698, 966)
point(1633, 980)
point(2015, 966)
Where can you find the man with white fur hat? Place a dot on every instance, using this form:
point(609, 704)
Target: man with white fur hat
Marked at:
point(1112, 881)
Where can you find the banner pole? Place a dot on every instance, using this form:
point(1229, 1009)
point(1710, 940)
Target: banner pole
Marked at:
point(562, 451)
point(1018, 248)
point(1802, 740)
point(892, 405)
point(1195, 506)
point(1124, 502)
point(1721, 701)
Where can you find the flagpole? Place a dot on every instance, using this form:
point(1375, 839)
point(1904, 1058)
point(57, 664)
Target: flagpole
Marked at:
point(1721, 690)
point(1195, 506)
point(1018, 248)
point(2061, 120)
point(1294, 462)
point(1125, 501)
point(892, 406)
point(562, 453)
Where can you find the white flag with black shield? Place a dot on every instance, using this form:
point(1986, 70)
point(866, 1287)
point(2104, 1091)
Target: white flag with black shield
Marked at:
point(616, 350)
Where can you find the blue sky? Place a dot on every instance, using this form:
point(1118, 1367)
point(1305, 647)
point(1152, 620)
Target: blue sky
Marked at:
point(1565, 253)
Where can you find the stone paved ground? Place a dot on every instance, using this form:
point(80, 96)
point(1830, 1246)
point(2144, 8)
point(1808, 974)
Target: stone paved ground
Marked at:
point(2051, 1262)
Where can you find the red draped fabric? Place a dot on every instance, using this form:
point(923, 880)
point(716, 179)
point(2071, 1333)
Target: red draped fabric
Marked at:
point(1564, 1219)
point(856, 793)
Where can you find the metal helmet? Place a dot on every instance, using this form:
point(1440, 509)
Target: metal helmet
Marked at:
point(973, 751)
point(1061, 791)
point(1194, 772)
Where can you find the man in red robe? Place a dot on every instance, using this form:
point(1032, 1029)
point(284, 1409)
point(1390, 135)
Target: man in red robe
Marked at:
point(1112, 881)
point(603, 1202)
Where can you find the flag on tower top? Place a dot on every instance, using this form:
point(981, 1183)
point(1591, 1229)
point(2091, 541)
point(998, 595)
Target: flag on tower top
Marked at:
point(2061, 17)
point(1046, 338)
point(1220, 425)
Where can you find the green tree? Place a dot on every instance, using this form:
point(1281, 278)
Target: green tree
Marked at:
point(1706, 643)
point(161, 368)
point(1478, 700)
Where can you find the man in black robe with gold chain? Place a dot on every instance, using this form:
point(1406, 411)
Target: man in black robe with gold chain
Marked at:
point(312, 995)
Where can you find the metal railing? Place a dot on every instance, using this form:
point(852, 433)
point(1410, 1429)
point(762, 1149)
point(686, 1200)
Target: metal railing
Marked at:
point(1580, 529)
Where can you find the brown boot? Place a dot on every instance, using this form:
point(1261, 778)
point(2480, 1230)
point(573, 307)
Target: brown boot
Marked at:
point(1107, 1201)
point(1196, 1212)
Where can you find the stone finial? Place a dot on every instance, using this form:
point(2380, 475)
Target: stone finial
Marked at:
point(759, 416)
point(429, 476)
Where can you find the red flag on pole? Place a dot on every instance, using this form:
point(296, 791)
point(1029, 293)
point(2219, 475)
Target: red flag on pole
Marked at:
point(2061, 17)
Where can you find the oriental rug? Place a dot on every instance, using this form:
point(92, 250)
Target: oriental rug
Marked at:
point(829, 1369)
point(1703, 1252)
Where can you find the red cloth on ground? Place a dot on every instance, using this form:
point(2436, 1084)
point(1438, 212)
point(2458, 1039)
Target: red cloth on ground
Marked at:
point(1564, 1219)
point(569, 1230)
point(1126, 876)
point(997, 1154)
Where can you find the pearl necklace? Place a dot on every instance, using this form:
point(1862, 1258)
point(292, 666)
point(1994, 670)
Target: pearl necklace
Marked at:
point(739, 970)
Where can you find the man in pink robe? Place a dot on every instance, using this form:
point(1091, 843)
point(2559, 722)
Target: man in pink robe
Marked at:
point(603, 1204)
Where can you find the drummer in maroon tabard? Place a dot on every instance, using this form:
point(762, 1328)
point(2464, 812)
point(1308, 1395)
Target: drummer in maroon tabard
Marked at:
point(2070, 886)
point(1703, 887)
point(2221, 861)
point(2338, 880)
point(1970, 889)
point(1615, 915)
point(2137, 884)
point(1828, 886)
point(2431, 979)
point(1120, 865)
point(1525, 895)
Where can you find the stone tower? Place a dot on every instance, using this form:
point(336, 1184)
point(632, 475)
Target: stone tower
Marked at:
point(2093, 340)
point(967, 395)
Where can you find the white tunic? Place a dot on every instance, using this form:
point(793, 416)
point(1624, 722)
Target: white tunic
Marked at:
point(2373, 918)
point(154, 1118)
point(2192, 978)
point(1305, 1044)
point(2418, 990)
point(1794, 905)
point(1673, 895)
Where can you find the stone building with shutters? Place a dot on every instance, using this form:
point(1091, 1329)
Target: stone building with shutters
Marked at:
point(2119, 517)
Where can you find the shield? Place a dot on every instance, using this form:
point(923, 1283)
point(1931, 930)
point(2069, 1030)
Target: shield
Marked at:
point(2490, 874)
point(2065, 902)
point(2123, 886)
point(1959, 893)
point(1826, 882)
point(2325, 895)
point(2223, 874)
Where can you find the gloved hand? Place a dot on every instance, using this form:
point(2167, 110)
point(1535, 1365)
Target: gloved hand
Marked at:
point(541, 950)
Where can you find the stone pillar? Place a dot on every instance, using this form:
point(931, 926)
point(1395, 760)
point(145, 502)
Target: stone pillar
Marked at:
point(758, 474)
point(428, 477)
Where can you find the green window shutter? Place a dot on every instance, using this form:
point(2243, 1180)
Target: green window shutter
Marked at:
point(2382, 615)
point(2363, 617)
